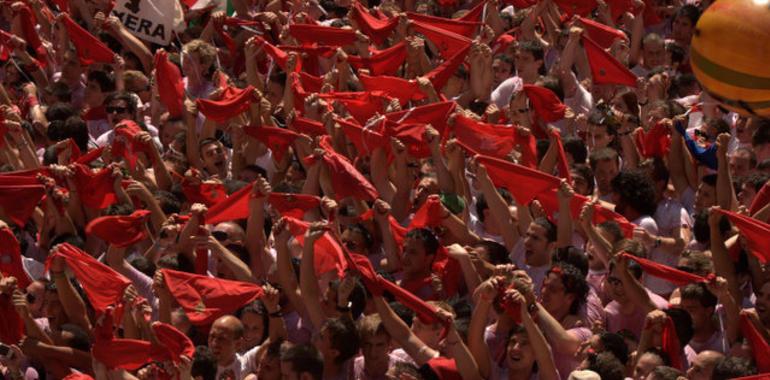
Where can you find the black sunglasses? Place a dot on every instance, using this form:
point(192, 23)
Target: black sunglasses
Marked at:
point(112, 110)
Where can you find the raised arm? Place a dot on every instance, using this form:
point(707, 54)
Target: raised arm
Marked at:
point(70, 300)
point(726, 198)
point(637, 294)
point(402, 334)
point(308, 282)
point(498, 208)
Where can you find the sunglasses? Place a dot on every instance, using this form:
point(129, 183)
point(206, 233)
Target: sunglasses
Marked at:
point(114, 110)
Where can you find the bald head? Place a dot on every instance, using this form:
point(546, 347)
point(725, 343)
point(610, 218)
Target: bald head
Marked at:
point(703, 365)
point(230, 324)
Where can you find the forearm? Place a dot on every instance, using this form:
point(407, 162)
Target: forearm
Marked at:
point(463, 235)
point(637, 294)
point(498, 209)
point(476, 344)
point(380, 178)
point(136, 46)
point(543, 356)
point(564, 228)
point(725, 191)
point(466, 365)
point(255, 235)
point(308, 284)
point(560, 338)
point(73, 305)
point(240, 270)
point(723, 264)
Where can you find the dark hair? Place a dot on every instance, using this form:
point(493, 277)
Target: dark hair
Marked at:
point(755, 180)
point(699, 292)
point(732, 367)
point(536, 49)
point(204, 364)
point(258, 308)
point(587, 173)
point(79, 340)
point(404, 313)
point(607, 366)
point(573, 256)
point(602, 154)
point(682, 324)
point(666, 373)
point(207, 141)
point(105, 80)
point(365, 234)
point(124, 96)
point(60, 90)
point(59, 111)
point(304, 359)
point(576, 147)
point(550, 228)
point(615, 344)
point(690, 11)
point(677, 52)
point(613, 228)
point(142, 264)
point(429, 241)
point(168, 202)
point(481, 202)
point(497, 252)
point(574, 282)
point(343, 336)
point(702, 231)
point(636, 190)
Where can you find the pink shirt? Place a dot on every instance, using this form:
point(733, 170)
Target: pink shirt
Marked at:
point(359, 370)
point(633, 322)
point(566, 361)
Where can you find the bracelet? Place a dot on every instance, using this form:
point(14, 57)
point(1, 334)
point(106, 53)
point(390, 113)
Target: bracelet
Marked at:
point(276, 314)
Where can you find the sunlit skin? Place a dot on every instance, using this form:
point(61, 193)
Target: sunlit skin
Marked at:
point(705, 197)
point(214, 159)
point(645, 365)
point(536, 245)
point(224, 341)
point(254, 330)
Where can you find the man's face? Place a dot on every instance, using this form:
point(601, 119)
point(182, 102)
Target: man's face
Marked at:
point(705, 196)
point(228, 233)
point(323, 343)
point(415, 260)
point(518, 110)
point(223, 342)
point(214, 159)
point(118, 111)
point(614, 287)
point(701, 315)
point(169, 131)
point(747, 194)
point(553, 293)
point(269, 368)
point(502, 71)
point(536, 242)
point(654, 53)
point(646, 365)
point(525, 62)
point(93, 95)
point(740, 163)
point(287, 372)
point(53, 309)
point(605, 171)
point(598, 137)
point(700, 369)
point(681, 30)
point(427, 186)
point(375, 350)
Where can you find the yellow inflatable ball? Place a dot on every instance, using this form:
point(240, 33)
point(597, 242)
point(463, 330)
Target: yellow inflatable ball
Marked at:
point(730, 54)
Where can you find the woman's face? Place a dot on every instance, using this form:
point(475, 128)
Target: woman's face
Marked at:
point(253, 330)
point(519, 354)
point(598, 136)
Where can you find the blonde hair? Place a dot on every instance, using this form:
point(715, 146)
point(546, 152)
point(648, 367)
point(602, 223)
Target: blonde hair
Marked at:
point(206, 52)
point(371, 326)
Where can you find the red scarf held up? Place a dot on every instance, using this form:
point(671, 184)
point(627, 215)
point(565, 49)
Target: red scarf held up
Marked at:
point(103, 286)
point(546, 104)
point(90, 49)
point(383, 62)
point(757, 234)
point(328, 254)
point(671, 345)
point(294, 205)
point(347, 181)
point(278, 140)
point(561, 157)
point(31, 35)
point(170, 84)
point(759, 346)
point(603, 35)
point(95, 189)
point(760, 200)
point(522, 182)
point(448, 43)
point(435, 114)
point(308, 34)
point(207, 193)
point(126, 145)
point(430, 214)
point(307, 126)
point(120, 230)
point(549, 201)
point(11, 264)
point(376, 29)
point(233, 103)
point(654, 143)
point(204, 299)
point(672, 275)
point(495, 140)
point(464, 28)
point(605, 69)
point(19, 201)
point(11, 325)
point(361, 105)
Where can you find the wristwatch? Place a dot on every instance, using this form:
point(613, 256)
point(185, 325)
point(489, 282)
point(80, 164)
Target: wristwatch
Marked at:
point(344, 309)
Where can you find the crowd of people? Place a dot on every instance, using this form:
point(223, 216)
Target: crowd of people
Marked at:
point(394, 189)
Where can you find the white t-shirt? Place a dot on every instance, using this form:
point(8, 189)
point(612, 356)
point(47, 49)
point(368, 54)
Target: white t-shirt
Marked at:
point(669, 216)
point(240, 367)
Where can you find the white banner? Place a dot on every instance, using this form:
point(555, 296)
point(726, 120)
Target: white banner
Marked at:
point(150, 20)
